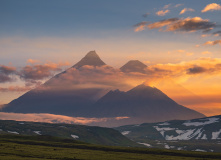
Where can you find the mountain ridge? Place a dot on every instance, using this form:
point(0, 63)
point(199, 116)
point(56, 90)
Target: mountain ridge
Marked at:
point(140, 104)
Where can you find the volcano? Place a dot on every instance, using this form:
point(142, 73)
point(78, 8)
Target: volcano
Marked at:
point(62, 95)
point(134, 66)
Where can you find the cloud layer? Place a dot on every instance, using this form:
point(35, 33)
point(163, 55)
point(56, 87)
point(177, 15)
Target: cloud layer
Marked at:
point(52, 118)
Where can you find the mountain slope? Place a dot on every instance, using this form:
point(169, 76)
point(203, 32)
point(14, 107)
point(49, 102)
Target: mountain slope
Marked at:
point(80, 91)
point(134, 66)
point(91, 59)
point(203, 133)
point(60, 95)
point(141, 104)
point(95, 135)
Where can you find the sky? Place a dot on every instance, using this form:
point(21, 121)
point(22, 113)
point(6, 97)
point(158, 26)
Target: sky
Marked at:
point(179, 41)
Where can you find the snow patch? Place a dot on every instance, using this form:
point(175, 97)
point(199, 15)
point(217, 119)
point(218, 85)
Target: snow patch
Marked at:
point(164, 124)
point(37, 132)
point(199, 135)
point(200, 150)
point(74, 136)
point(125, 132)
point(179, 148)
point(185, 135)
point(63, 126)
point(167, 146)
point(21, 123)
point(146, 144)
point(209, 121)
point(215, 135)
point(204, 136)
point(13, 132)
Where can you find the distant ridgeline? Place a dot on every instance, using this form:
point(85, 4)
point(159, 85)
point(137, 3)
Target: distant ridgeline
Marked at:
point(202, 134)
point(70, 93)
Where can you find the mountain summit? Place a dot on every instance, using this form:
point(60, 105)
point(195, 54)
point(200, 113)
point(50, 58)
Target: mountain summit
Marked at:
point(91, 59)
point(142, 104)
point(133, 66)
point(71, 93)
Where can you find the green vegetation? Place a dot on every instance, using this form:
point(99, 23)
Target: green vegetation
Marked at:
point(47, 147)
point(88, 134)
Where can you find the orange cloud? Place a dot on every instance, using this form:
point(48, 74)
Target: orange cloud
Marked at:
point(32, 61)
point(39, 71)
point(162, 12)
point(15, 89)
point(51, 118)
point(140, 26)
point(162, 23)
point(186, 9)
point(186, 25)
point(212, 43)
point(206, 52)
point(211, 7)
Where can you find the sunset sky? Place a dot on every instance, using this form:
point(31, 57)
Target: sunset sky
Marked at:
point(179, 41)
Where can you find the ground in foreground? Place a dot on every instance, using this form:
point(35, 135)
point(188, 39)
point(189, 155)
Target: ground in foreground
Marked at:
point(47, 147)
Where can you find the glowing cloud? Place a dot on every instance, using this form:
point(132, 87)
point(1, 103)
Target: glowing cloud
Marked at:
point(212, 43)
point(186, 9)
point(186, 25)
point(140, 26)
point(211, 7)
point(52, 118)
point(162, 12)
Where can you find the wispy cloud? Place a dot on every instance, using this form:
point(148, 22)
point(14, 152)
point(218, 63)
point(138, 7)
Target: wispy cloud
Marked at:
point(212, 43)
point(146, 14)
point(162, 12)
point(217, 33)
point(178, 5)
point(6, 72)
point(15, 89)
point(40, 71)
point(184, 25)
point(32, 61)
point(140, 26)
point(52, 118)
point(185, 10)
point(211, 7)
point(166, 6)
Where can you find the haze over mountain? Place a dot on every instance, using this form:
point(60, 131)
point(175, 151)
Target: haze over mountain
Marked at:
point(133, 66)
point(57, 96)
point(141, 104)
point(81, 91)
point(91, 59)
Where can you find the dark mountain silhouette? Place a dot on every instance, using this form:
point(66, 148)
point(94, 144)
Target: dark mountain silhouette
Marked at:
point(134, 66)
point(91, 59)
point(65, 101)
point(141, 104)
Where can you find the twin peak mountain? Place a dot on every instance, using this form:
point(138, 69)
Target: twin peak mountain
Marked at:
point(92, 59)
point(139, 105)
